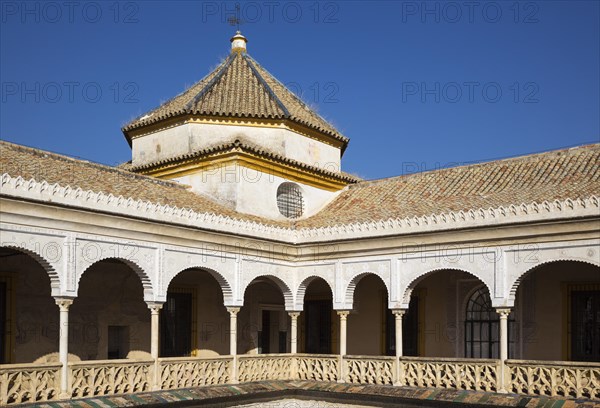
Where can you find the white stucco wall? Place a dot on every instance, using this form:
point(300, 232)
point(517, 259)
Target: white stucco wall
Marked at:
point(192, 137)
point(252, 192)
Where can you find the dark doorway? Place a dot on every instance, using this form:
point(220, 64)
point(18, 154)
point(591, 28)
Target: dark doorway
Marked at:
point(585, 326)
point(118, 342)
point(271, 339)
point(410, 330)
point(3, 330)
point(318, 326)
point(176, 327)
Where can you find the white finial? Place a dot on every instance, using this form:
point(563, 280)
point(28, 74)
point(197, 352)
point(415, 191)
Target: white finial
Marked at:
point(238, 42)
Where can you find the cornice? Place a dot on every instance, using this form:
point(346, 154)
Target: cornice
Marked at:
point(19, 188)
point(248, 155)
point(273, 123)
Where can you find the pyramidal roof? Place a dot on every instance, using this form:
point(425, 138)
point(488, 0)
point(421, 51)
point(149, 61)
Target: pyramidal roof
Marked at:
point(239, 88)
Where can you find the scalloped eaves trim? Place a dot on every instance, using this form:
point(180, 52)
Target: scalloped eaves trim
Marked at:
point(127, 206)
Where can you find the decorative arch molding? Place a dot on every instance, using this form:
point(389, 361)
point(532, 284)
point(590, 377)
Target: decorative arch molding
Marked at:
point(139, 271)
point(482, 263)
point(408, 289)
point(141, 259)
point(288, 296)
point(220, 265)
point(224, 284)
point(301, 291)
point(519, 262)
point(49, 267)
point(515, 285)
point(351, 287)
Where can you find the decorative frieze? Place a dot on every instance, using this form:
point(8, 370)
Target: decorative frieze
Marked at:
point(128, 206)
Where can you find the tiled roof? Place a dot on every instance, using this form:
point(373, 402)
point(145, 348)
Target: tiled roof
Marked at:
point(571, 173)
point(241, 145)
point(240, 88)
point(27, 162)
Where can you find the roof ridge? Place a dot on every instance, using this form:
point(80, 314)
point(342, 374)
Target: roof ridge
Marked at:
point(210, 83)
point(151, 111)
point(297, 98)
point(521, 157)
point(270, 91)
point(59, 156)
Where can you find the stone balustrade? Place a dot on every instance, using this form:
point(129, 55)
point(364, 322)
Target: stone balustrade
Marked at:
point(456, 373)
point(554, 378)
point(29, 383)
point(107, 377)
point(22, 383)
point(184, 372)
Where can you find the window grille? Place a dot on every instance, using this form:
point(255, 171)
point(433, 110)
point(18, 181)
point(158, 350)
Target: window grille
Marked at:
point(482, 327)
point(289, 200)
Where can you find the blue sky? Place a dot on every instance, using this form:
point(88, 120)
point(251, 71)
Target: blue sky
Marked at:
point(414, 85)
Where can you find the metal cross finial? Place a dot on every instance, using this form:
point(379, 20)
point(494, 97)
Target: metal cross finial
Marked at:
point(236, 21)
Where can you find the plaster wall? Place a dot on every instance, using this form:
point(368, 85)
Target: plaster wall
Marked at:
point(545, 311)
point(192, 137)
point(210, 315)
point(366, 323)
point(259, 295)
point(319, 290)
point(252, 192)
point(34, 332)
point(110, 294)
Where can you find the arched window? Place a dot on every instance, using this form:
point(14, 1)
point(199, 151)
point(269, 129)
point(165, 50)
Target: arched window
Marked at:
point(289, 200)
point(482, 327)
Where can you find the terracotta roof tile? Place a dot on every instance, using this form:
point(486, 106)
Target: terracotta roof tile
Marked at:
point(238, 87)
point(41, 165)
point(571, 173)
point(557, 175)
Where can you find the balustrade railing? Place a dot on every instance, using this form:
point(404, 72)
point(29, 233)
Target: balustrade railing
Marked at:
point(456, 373)
point(261, 367)
point(184, 372)
point(20, 383)
point(26, 383)
point(554, 378)
point(317, 367)
point(107, 377)
point(369, 370)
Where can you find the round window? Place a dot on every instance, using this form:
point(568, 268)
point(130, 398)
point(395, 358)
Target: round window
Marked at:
point(289, 200)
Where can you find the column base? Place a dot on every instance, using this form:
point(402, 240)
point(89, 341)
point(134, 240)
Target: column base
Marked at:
point(64, 396)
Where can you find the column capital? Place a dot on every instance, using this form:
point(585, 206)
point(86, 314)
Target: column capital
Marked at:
point(64, 303)
point(399, 312)
point(503, 312)
point(154, 307)
point(343, 314)
point(233, 311)
point(294, 315)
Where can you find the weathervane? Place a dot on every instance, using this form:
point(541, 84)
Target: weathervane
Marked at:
point(236, 21)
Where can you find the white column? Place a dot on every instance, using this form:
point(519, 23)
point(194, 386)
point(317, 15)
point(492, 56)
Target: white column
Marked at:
point(233, 311)
point(294, 332)
point(343, 314)
point(154, 328)
point(398, 314)
point(504, 312)
point(503, 333)
point(154, 341)
point(63, 345)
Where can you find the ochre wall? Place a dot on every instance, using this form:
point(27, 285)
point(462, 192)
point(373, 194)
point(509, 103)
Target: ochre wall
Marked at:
point(33, 332)
point(211, 319)
point(261, 293)
point(365, 322)
point(545, 309)
point(110, 294)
